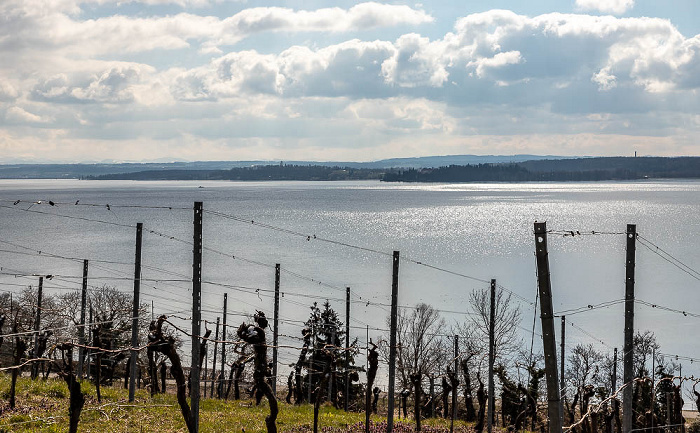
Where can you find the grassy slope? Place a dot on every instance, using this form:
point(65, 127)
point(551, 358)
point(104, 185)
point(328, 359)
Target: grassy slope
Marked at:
point(42, 406)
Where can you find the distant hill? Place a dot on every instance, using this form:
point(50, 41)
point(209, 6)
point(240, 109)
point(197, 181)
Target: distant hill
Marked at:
point(581, 169)
point(75, 171)
point(255, 173)
point(453, 168)
point(441, 161)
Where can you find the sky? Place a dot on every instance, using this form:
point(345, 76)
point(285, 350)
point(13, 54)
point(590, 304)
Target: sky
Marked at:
point(192, 80)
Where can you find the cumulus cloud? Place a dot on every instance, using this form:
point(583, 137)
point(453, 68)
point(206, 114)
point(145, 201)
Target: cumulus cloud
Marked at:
point(352, 68)
point(58, 29)
point(617, 7)
point(118, 84)
point(499, 60)
point(359, 17)
point(415, 62)
point(539, 57)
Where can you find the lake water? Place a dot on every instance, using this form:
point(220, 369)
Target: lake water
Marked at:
point(482, 231)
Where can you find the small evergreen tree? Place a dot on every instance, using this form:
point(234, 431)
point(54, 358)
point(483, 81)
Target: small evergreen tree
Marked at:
point(324, 336)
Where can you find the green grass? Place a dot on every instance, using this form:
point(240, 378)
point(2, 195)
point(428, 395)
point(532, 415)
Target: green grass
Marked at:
point(42, 406)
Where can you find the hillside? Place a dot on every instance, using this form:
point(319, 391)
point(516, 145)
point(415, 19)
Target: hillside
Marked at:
point(150, 170)
point(581, 169)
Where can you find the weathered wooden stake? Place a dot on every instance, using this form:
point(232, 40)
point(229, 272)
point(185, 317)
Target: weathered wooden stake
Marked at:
point(213, 368)
point(492, 359)
point(454, 387)
point(615, 403)
point(548, 336)
point(562, 388)
point(392, 341)
point(19, 349)
point(331, 371)
point(614, 376)
point(310, 370)
point(205, 357)
point(669, 411)
point(653, 387)
point(223, 349)
point(37, 326)
point(81, 328)
point(90, 336)
point(196, 313)
point(275, 328)
point(135, 313)
point(628, 350)
point(347, 348)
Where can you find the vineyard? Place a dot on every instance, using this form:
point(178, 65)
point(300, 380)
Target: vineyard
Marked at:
point(95, 358)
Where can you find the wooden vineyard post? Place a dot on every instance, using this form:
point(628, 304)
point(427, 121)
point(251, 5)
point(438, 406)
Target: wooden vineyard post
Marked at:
point(37, 326)
point(347, 348)
point(548, 337)
point(454, 385)
point(196, 314)
point(223, 349)
point(492, 359)
point(392, 342)
point(81, 328)
point(615, 402)
point(562, 388)
point(135, 313)
point(275, 328)
point(628, 350)
point(213, 368)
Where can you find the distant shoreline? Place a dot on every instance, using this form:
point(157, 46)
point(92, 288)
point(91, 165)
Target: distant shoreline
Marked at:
point(537, 170)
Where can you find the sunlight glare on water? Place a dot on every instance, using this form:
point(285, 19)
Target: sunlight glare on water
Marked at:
point(478, 230)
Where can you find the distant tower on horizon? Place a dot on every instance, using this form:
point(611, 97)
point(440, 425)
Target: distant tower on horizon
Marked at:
point(635, 153)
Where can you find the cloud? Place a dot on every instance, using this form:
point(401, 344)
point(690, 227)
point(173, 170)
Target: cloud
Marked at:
point(142, 81)
point(404, 115)
point(352, 68)
point(118, 84)
point(57, 29)
point(538, 58)
point(617, 7)
point(499, 60)
point(415, 62)
point(362, 16)
point(112, 86)
point(19, 115)
point(7, 92)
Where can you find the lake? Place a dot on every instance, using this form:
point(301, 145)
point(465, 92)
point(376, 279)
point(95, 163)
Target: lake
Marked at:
point(480, 231)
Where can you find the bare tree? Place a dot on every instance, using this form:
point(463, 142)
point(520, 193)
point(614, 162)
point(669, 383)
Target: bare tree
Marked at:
point(471, 360)
point(584, 366)
point(112, 313)
point(508, 316)
point(646, 346)
point(420, 344)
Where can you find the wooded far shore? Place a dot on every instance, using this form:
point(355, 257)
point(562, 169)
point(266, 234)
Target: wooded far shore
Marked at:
point(574, 169)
